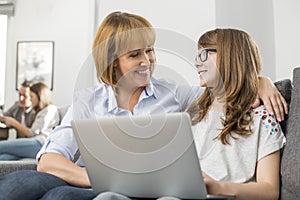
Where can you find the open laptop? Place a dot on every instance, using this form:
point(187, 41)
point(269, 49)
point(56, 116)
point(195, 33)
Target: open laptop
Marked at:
point(142, 156)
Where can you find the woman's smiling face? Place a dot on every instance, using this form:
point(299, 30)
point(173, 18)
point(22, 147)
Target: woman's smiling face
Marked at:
point(135, 67)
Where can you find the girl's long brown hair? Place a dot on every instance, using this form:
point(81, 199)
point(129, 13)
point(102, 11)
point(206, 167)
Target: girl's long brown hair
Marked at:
point(238, 63)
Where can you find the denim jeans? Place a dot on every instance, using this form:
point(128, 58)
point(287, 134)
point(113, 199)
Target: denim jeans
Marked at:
point(31, 184)
point(19, 148)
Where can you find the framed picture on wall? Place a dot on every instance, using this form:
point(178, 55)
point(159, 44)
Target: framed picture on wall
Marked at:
point(35, 62)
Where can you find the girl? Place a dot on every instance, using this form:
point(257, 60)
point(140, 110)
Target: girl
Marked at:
point(238, 147)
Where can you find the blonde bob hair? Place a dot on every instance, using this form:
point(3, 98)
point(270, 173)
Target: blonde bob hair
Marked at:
point(238, 63)
point(119, 33)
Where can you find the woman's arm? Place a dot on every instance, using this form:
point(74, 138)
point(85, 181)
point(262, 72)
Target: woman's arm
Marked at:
point(63, 168)
point(265, 187)
point(273, 100)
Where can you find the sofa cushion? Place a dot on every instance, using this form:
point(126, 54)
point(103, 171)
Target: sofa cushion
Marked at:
point(290, 163)
point(62, 111)
point(11, 166)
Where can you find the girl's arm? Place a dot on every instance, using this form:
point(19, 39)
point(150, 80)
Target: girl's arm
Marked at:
point(63, 168)
point(266, 185)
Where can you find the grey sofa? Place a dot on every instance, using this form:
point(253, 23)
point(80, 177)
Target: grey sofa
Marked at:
point(290, 162)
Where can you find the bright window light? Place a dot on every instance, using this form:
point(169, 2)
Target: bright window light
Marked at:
point(3, 32)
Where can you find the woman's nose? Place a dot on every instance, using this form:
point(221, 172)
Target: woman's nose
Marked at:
point(146, 60)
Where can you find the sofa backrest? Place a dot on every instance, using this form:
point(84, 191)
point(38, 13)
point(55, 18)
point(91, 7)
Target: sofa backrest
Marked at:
point(285, 87)
point(62, 111)
point(290, 162)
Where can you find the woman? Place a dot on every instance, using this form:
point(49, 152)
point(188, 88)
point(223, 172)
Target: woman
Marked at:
point(30, 140)
point(124, 56)
point(238, 146)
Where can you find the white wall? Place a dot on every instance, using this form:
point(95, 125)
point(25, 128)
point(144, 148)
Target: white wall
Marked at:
point(274, 24)
point(256, 18)
point(287, 37)
point(69, 23)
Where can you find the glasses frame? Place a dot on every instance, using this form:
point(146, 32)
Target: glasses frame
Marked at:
point(203, 55)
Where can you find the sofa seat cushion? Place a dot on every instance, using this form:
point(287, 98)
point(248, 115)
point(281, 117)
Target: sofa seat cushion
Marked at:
point(11, 166)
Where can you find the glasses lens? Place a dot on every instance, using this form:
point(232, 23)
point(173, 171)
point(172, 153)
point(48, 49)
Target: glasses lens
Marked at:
point(203, 55)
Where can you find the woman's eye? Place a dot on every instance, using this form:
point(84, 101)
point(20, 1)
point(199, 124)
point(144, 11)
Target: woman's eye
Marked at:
point(133, 55)
point(149, 50)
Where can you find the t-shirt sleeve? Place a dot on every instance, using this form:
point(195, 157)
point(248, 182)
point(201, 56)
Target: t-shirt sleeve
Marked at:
point(271, 137)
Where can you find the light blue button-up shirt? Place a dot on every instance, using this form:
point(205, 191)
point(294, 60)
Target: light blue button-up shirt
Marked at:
point(159, 96)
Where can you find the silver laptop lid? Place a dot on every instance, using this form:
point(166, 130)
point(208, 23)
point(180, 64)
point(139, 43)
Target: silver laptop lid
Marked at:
point(141, 156)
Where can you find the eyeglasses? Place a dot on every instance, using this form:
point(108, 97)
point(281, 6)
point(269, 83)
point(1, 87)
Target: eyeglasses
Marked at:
point(202, 56)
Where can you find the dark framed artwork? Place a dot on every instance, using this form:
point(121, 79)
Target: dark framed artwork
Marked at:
point(35, 62)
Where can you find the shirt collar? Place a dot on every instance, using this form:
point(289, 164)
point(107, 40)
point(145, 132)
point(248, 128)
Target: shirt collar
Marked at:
point(112, 102)
point(148, 91)
point(28, 110)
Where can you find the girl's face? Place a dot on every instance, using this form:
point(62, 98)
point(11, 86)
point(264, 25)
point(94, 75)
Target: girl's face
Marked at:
point(206, 67)
point(135, 67)
point(34, 99)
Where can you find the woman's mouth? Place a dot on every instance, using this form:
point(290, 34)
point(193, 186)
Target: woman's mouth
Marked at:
point(143, 72)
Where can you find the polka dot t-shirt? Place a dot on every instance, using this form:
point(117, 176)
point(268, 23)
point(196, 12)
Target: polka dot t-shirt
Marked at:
point(236, 162)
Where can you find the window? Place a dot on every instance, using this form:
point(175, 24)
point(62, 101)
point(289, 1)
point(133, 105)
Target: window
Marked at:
point(3, 32)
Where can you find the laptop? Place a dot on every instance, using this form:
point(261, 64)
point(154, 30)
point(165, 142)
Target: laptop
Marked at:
point(142, 156)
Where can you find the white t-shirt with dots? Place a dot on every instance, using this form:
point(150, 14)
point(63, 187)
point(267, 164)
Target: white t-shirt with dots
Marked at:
point(236, 162)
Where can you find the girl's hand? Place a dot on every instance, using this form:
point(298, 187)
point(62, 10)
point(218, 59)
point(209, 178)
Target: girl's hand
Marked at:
point(212, 186)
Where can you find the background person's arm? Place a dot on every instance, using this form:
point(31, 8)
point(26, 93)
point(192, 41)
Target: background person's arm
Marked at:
point(265, 187)
point(23, 131)
point(63, 168)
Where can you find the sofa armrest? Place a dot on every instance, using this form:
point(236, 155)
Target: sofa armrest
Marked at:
point(290, 162)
